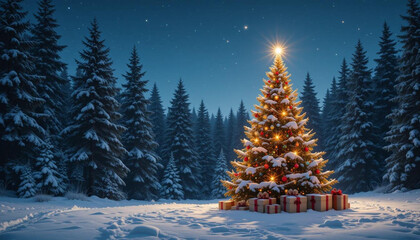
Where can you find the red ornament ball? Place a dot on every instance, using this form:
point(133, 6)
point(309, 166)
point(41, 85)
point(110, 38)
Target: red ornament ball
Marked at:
point(286, 96)
point(286, 83)
point(277, 73)
point(269, 81)
point(284, 179)
point(317, 171)
point(246, 159)
point(248, 147)
point(236, 174)
point(306, 149)
point(230, 187)
point(266, 166)
point(262, 133)
point(296, 165)
point(290, 107)
point(278, 81)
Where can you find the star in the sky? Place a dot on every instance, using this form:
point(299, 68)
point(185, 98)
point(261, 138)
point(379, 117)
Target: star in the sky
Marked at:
point(342, 21)
point(68, 8)
point(246, 27)
point(146, 20)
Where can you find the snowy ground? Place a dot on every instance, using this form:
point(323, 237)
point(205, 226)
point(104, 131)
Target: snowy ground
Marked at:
point(373, 215)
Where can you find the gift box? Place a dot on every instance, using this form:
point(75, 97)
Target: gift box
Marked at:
point(319, 202)
point(340, 202)
point(226, 205)
point(273, 208)
point(293, 204)
point(261, 208)
point(253, 204)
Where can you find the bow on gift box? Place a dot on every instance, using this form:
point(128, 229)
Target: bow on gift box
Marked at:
point(292, 192)
point(336, 192)
point(297, 201)
point(263, 195)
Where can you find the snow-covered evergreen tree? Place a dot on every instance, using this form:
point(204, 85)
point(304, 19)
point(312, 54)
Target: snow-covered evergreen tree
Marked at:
point(359, 169)
point(157, 117)
point(241, 121)
point(277, 153)
point(180, 142)
point(230, 137)
point(219, 133)
point(142, 180)
point(21, 132)
point(27, 186)
point(403, 165)
point(220, 174)
point(204, 148)
point(47, 176)
point(328, 120)
point(338, 110)
point(95, 149)
point(48, 64)
point(171, 183)
point(310, 104)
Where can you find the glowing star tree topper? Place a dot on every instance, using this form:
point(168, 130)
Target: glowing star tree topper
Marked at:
point(277, 153)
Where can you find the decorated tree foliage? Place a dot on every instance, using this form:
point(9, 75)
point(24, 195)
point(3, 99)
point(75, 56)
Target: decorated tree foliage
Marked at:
point(278, 152)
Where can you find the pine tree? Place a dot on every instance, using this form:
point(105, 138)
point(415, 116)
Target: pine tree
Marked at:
point(219, 175)
point(328, 121)
point(180, 142)
point(278, 155)
point(143, 162)
point(171, 183)
point(95, 149)
point(20, 129)
point(360, 169)
point(27, 187)
point(230, 136)
point(386, 73)
point(338, 109)
point(241, 122)
point(404, 145)
point(48, 65)
point(47, 176)
point(157, 117)
point(204, 149)
point(310, 104)
point(219, 133)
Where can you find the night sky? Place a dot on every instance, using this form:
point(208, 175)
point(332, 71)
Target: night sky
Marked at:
point(221, 49)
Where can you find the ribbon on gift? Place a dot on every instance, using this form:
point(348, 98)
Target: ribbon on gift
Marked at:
point(263, 195)
point(313, 201)
point(326, 200)
point(298, 202)
point(344, 202)
point(284, 203)
point(336, 192)
point(255, 205)
point(221, 205)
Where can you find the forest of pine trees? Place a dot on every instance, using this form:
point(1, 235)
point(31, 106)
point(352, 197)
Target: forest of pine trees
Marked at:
point(82, 133)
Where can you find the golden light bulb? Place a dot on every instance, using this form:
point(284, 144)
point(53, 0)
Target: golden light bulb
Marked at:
point(277, 137)
point(265, 128)
point(276, 97)
point(278, 50)
point(272, 179)
point(283, 113)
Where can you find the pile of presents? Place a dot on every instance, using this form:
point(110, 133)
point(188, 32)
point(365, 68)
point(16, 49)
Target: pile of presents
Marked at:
point(291, 203)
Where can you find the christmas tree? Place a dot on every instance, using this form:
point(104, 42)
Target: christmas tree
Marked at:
point(278, 155)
